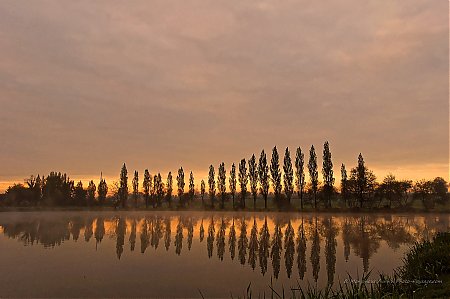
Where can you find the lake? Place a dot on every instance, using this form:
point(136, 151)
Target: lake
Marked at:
point(176, 254)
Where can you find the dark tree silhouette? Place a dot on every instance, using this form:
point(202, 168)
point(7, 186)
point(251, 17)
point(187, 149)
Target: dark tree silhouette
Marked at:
point(121, 228)
point(243, 179)
point(202, 191)
point(253, 246)
point(190, 228)
point(264, 243)
point(344, 184)
point(180, 184)
point(253, 177)
point(99, 231)
point(145, 236)
point(300, 174)
point(288, 175)
point(289, 246)
point(169, 188)
point(191, 187)
point(91, 193)
point(263, 172)
point(232, 241)
point(80, 194)
point(361, 179)
point(123, 186)
point(135, 184)
point(313, 173)
point(232, 182)
point(330, 248)
point(243, 242)
point(202, 232)
point(221, 184)
point(146, 186)
point(315, 252)
point(275, 173)
point(212, 185)
point(327, 172)
point(102, 191)
point(159, 189)
point(132, 238)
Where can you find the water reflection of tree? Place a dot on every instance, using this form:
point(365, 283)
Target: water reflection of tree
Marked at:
point(121, 228)
point(221, 240)
point(167, 233)
point(277, 247)
point(394, 232)
point(346, 231)
point(264, 243)
point(202, 232)
point(232, 241)
point(156, 232)
point(330, 232)
point(88, 232)
point(76, 224)
point(243, 242)
point(301, 251)
point(210, 238)
point(315, 252)
point(253, 246)
point(289, 246)
point(145, 236)
point(99, 230)
point(190, 229)
point(132, 238)
point(179, 238)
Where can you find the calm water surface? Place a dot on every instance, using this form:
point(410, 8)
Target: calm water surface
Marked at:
point(175, 254)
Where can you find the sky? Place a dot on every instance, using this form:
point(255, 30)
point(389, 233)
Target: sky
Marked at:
point(88, 85)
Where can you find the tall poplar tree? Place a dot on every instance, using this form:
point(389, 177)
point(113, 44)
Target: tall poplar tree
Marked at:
point(159, 189)
point(123, 186)
point(313, 173)
point(180, 184)
point(146, 186)
point(253, 177)
point(102, 190)
point(203, 191)
point(232, 182)
point(300, 174)
point(191, 187)
point(221, 184)
point(361, 179)
point(243, 179)
point(263, 172)
point(212, 185)
point(90, 193)
point(169, 188)
point(327, 172)
point(275, 173)
point(135, 184)
point(344, 184)
point(288, 175)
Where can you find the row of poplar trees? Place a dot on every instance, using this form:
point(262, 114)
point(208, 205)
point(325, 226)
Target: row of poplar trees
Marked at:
point(258, 174)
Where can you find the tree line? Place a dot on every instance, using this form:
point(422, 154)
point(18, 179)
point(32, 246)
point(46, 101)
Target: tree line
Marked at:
point(358, 187)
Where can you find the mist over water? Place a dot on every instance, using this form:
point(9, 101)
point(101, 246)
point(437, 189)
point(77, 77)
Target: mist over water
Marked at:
point(175, 254)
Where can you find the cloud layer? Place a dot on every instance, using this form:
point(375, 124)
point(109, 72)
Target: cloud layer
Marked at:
point(87, 85)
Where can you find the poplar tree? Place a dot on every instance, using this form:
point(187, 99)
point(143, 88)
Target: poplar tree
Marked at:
point(344, 183)
point(135, 184)
point(212, 185)
point(243, 179)
point(102, 190)
point(313, 173)
point(221, 184)
point(203, 191)
point(146, 185)
point(123, 186)
point(263, 172)
point(169, 190)
point(191, 186)
point(327, 172)
point(361, 179)
point(180, 184)
point(275, 173)
point(253, 176)
point(232, 182)
point(288, 175)
point(300, 174)
point(90, 192)
point(159, 189)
